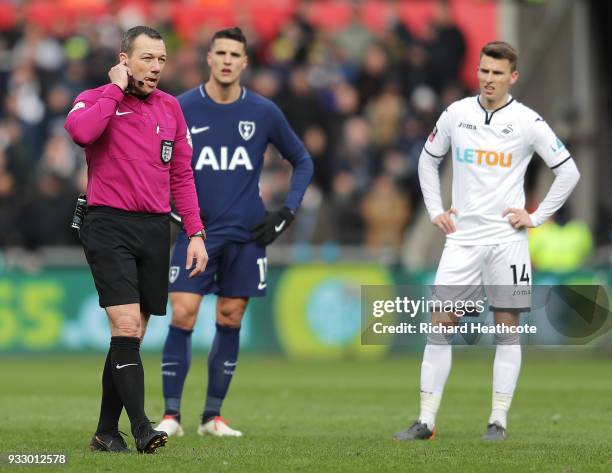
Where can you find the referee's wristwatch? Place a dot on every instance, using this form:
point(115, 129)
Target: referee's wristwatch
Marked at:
point(201, 234)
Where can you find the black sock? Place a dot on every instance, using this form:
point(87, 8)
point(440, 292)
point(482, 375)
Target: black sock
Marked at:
point(111, 406)
point(128, 374)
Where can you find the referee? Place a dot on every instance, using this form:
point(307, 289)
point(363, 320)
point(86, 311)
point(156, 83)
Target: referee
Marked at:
point(138, 151)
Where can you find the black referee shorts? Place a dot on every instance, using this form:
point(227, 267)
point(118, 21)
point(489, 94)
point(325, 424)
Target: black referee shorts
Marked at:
point(129, 256)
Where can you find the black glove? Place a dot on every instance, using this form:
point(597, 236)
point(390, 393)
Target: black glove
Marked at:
point(273, 224)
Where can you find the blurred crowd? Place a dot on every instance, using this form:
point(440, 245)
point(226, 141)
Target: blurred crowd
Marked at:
point(362, 102)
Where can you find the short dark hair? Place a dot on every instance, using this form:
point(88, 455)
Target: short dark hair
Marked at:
point(234, 33)
point(500, 50)
point(127, 42)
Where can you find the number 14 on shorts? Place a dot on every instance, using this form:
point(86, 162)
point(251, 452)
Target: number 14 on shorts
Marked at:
point(524, 274)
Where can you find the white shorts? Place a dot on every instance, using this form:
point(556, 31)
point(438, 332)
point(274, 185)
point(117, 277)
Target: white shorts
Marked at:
point(502, 272)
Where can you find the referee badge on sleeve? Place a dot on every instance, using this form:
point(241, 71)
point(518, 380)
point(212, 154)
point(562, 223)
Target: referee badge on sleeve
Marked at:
point(166, 151)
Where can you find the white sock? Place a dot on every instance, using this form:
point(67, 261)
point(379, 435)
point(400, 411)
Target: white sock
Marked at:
point(506, 368)
point(434, 372)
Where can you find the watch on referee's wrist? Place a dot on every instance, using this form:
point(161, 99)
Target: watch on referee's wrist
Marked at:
point(201, 234)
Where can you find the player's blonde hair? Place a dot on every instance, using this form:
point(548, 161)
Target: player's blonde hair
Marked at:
point(501, 50)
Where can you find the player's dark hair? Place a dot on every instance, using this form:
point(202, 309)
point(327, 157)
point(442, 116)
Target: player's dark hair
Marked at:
point(127, 42)
point(234, 33)
point(500, 50)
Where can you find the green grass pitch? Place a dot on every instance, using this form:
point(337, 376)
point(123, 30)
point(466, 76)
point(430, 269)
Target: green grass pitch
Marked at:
point(325, 416)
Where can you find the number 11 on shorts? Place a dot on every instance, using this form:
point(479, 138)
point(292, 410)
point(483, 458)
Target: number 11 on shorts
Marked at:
point(524, 274)
point(263, 269)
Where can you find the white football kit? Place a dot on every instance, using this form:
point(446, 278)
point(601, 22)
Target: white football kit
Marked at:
point(491, 151)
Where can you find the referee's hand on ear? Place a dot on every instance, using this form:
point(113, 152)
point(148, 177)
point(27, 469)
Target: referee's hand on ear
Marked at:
point(196, 251)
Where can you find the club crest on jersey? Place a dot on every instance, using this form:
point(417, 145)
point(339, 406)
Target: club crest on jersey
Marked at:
point(173, 274)
point(166, 151)
point(246, 130)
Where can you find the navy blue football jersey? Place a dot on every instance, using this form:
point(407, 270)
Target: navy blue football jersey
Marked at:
point(229, 141)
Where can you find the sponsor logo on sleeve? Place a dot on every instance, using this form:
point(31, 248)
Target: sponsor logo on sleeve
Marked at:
point(558, 146)
point(433, 134)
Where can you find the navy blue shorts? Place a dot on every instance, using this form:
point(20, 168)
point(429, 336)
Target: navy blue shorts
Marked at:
point(234, 269)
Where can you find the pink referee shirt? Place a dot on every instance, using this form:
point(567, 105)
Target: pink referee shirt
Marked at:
point(138, 151)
